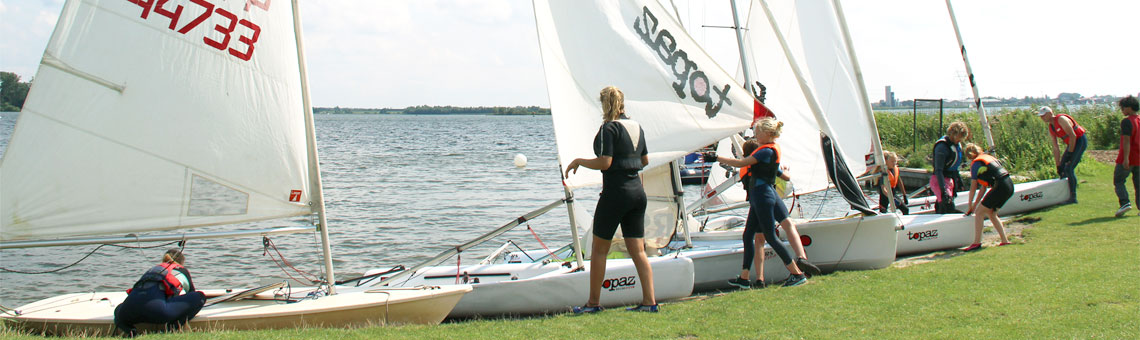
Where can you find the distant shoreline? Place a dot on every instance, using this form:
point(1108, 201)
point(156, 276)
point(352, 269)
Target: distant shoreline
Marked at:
point(424, 110)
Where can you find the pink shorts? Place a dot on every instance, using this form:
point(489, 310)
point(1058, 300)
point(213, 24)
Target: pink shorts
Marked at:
point(937, 189)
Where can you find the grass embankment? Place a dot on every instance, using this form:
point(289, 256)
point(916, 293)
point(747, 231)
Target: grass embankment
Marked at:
point(1075, 274)
point(1019, 135)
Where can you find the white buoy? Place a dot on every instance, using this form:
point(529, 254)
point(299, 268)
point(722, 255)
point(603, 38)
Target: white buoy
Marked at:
point(520, 160)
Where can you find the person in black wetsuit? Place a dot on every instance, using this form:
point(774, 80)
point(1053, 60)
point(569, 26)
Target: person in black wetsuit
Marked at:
point(165, 294)
point(987, 171)
point(947, 159)
point(769, 209)
point(621, 154)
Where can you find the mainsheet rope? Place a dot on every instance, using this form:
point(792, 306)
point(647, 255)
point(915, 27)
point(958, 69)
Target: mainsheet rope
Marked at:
point(266, 243)
point(92, 252)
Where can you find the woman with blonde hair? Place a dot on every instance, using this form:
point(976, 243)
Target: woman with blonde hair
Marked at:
point(987, 171)
point(163, 295)
point(621, 154)
point(764, 168)
point(947, 160)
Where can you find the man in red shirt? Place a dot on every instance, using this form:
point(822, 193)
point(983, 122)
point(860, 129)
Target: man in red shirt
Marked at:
point(1128, 156)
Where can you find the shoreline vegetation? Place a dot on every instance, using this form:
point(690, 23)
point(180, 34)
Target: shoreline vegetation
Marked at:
point(1020, 138)
point(441, 110)
point(1071, 274)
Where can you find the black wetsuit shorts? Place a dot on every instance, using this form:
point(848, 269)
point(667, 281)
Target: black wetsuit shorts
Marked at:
point(622, 202)
point(1000, 193)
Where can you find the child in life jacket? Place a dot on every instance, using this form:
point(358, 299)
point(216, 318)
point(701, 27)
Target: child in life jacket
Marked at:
point(897, 187)
point(987, 171)
point(164, 295)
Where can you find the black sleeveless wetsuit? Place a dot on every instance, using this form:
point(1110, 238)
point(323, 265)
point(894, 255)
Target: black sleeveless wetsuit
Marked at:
point(623, 198)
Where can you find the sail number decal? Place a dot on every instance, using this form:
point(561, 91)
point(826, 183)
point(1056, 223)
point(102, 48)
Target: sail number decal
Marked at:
point(201, 10)
point(687, 72)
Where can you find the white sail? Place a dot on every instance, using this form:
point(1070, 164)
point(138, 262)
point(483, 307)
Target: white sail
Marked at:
point(680, 96)
point(823, 53)
point(143, 118)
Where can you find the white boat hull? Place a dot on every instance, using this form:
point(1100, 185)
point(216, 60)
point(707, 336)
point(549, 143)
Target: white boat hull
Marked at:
point(92, 314)
point(1027, 197)
point(849, 243)
point(537, 288)
point(714, 266)
point(926, 233)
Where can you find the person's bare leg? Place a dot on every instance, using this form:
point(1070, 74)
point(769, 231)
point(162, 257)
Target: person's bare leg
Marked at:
point(598, 253)
point(636, 248)
point(979, 222)
point(758, 259)
point(998, 225)
point(794, 238)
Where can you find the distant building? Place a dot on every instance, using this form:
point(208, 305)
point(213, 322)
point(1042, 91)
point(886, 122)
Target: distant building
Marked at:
point(889, 98)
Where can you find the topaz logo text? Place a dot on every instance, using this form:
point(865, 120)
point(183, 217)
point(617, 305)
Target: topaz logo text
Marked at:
point(922, 236)
point(1030, 197)
point(619, 283)
point(688, 73)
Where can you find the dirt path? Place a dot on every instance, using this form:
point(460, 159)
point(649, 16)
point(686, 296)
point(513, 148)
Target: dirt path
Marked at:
point(1013, 228)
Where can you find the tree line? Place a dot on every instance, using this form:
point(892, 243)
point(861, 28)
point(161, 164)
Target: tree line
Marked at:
point(12, 92)
point(440, 110)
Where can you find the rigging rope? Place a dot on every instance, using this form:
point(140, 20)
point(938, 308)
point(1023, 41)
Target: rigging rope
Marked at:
point(555, 257)
point(92, 252)
point(266, 243)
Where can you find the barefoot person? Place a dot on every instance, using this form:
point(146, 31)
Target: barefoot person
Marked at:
point(1073, 135)
point(768, 209)
point(621, 154)
point(985, 170)
point(1128, 155)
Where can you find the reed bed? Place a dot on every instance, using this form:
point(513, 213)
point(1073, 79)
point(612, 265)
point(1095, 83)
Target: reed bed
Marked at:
point(1019, 135)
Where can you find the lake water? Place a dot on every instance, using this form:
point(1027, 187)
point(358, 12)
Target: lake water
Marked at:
point(398, 190)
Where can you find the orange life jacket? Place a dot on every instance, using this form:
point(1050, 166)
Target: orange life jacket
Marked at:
point(766, 171)
point(994, 170)
point(893, 176)
point(163, 274)
point(1057, 131)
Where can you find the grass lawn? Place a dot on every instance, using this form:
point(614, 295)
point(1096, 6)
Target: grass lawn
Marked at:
point(1075, 274)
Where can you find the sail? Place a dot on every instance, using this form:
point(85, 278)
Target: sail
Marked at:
point(823, 54)
point(157, 116)
point(680, 96)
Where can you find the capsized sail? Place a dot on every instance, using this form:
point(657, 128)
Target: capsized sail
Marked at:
point(680, 96)
point(158, 116)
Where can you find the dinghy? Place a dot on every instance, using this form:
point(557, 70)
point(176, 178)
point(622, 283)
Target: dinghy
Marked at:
point(1026, 196)
point(142, 118)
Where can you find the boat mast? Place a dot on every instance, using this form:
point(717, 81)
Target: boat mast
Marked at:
point(740, 44)
point(876, 143)
point(679, 200)
point(317, 197)
point(973, 84)
point(573, 224)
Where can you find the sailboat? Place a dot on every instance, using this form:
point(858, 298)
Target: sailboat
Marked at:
point(158, 117)
point(816, 34)
point(1027, 196)
point(684, 100)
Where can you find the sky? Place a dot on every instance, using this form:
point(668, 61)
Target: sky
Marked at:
point(387, 53)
